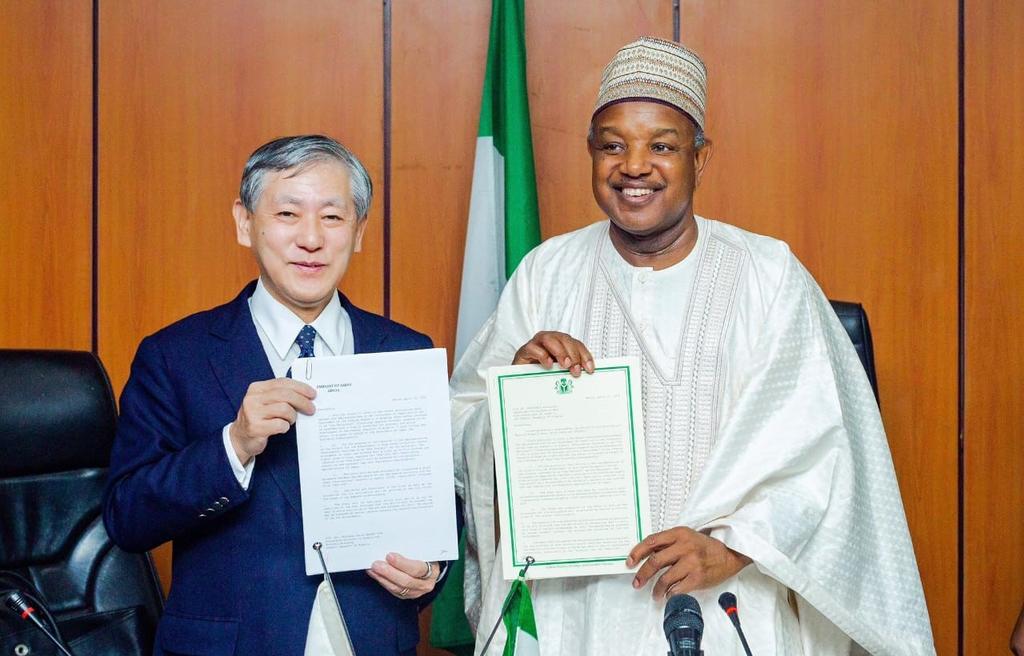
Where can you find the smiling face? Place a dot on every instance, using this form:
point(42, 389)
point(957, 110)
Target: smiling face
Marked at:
point(303, 231)
point(645, 170)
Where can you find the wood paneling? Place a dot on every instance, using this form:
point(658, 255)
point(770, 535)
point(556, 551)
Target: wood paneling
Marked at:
point(435, 112)
point(188, 90)
point(46, 175)
point(994, 296)
point(834, 128)
point(568, 45)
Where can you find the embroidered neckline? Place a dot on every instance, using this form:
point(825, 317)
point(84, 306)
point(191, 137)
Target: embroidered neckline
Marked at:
point(680, 420)
point(699, 253)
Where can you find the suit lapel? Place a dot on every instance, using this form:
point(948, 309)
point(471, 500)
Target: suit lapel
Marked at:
point(242, 362)
point(237, 365)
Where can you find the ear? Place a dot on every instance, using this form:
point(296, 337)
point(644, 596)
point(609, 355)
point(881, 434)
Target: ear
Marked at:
point(360, 229)
point(243, 223)
point(701, 159)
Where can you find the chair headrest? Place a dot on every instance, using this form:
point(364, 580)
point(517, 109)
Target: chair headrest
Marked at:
point(57, 412)
point(855, 322)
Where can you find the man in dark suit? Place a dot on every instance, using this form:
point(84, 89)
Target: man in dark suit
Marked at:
point(205, 453)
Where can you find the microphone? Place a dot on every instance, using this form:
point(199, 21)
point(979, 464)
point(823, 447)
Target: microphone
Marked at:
point(16, 602)
point(683, 625)
point(727, 601)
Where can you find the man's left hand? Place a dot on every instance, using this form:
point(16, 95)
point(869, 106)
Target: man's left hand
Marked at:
point(691, 560)
point(403, 577)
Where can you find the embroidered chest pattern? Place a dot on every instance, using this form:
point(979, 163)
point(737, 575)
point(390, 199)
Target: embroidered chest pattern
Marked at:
point(681, 405)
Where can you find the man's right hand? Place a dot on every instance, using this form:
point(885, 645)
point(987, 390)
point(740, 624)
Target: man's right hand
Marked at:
point(549, 347)
point(270, 407)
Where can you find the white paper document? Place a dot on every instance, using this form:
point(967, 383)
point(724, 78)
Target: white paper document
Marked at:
point(375, 459)
point(570, 467)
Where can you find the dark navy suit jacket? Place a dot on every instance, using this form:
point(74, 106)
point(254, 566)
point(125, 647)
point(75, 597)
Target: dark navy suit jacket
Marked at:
point(238, 581)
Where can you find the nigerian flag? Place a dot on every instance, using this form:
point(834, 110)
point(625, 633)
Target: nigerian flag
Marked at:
point(519, 623)
point(503, 227)
point(503, 215)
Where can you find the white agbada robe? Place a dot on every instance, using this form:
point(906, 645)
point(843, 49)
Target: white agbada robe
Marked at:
point(761, 429)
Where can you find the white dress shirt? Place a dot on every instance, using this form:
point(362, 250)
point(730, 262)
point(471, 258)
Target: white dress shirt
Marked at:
point(277, 327)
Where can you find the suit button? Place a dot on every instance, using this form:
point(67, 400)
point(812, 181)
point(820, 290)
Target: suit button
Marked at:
point(202, 515)
point(211, 510)
point(225, 500)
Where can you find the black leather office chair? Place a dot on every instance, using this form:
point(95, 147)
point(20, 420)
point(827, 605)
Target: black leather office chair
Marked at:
point(57, 420)
point(855, 321)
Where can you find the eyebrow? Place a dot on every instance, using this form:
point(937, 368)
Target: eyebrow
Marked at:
point(333, 201)
point(657, 133)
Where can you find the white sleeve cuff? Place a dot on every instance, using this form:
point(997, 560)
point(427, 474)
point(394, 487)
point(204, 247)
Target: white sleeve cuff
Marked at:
point(242, 473)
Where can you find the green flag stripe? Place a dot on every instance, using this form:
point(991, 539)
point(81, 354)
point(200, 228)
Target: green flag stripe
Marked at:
point(505, 114)
point(505, 117)
point(448, 626)
point(526, 619)
point(519, 616)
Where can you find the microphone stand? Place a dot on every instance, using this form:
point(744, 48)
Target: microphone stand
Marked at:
point(727, 602)
point(16, 602)
point(504, 607)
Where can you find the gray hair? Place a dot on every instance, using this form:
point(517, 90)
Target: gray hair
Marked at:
point(291, 152)
point(699, 141)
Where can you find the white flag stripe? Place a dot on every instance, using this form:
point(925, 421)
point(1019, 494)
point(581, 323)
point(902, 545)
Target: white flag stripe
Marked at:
point(326, 634)
point(526, 644)
point(483, 265)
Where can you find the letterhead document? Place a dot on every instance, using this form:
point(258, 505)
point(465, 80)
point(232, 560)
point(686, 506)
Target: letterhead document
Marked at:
point(570, 467)
point(375, 459)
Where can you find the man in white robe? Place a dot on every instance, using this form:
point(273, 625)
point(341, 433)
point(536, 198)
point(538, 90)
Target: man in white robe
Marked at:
point(768, 467)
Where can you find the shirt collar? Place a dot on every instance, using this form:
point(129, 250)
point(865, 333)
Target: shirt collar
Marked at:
point(281, 325)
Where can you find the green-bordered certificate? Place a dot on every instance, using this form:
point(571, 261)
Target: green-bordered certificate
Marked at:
point(570, 467)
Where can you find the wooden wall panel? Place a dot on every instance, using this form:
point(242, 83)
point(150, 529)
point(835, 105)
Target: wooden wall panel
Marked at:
point(46, 176)
point(568, 44)
point(435, 112)
point(434, 125)
point(188, 89)
point(834, 128)
point(994, 296)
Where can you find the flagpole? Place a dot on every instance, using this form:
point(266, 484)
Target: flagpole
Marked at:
point(504, 607)
point(318, 548)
